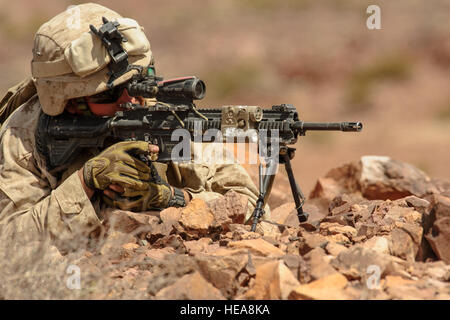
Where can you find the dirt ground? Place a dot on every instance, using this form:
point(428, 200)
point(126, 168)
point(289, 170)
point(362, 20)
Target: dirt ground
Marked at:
point(318, 55)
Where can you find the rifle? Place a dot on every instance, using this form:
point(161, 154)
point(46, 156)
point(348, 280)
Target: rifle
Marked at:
point(62, 137)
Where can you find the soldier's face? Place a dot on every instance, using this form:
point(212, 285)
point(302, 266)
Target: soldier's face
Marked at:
point(109, 102)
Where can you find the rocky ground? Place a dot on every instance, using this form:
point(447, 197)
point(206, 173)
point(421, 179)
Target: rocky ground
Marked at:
point(378, 229)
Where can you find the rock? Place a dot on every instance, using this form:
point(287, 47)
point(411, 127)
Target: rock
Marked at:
point(174, 241)
point(222, 271)
point(318, 263)
point(238, 231)
point(343, 203)
point(159, 254)
point(441, 206)
point(397, 213)
point(273, 281)
point(339, 238)
point(130, 222)
point(439, 272)
point(257, 246)
point(439, 239)
point(317, 210)
point(310, 241)
point(326, 188)
point(367, 230)
point(197, 246)
point(354, 263)
point(418, 204)
point(332, 228)
point(298, 267)
point(130, 246)
point(401, 245)
point(190, 287)
point(268, 229)
point(334, 248)
point(143, 225)
point(385, 178)
point(378, 244)
point(232, 208)
point(280, 214)
point(400, 288)
point(112, 245)
point(327, 288)
point(170, 215)
point(345, 219)
point(196, 218)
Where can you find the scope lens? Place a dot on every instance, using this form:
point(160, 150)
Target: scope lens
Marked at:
point(199, 90)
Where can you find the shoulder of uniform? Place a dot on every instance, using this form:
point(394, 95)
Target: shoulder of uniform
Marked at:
point(25, 116)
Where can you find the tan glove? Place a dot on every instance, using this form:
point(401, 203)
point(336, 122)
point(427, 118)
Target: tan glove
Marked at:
point(117, 165)
point(156, 195)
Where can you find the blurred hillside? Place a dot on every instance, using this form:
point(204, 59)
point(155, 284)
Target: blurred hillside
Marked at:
point(317, 55)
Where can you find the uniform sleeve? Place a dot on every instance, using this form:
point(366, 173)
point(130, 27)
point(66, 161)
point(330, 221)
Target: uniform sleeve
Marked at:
point(30, 206)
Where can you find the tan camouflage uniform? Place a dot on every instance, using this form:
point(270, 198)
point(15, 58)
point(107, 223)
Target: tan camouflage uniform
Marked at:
point(70, 63)
point(34, 203)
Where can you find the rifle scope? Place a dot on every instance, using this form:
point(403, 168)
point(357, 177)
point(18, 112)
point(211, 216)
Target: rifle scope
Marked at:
point(184, 89)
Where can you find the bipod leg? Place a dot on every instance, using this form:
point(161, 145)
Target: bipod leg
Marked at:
point(265, 186)
point(297, 193)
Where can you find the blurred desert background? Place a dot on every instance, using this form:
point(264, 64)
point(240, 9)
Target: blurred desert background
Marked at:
point(318, 55)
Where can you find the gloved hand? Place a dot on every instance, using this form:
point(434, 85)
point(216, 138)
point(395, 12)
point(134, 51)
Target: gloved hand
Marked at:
point(155, 194)
point(117, 165)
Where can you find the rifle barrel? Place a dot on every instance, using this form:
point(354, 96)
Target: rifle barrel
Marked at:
point(328, 126)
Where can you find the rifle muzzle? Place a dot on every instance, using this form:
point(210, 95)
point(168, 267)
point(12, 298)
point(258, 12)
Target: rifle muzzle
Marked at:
point(328, 126)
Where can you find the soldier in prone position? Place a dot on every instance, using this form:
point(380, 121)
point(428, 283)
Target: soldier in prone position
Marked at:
point(74, 70)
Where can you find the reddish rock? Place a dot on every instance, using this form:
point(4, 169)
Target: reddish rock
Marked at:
point(222, 271)
point(130, 246)
point(385, 178)
point(418, 204)
point(130, 222)
point(174, 241)
point(326, 188)
point(309, 241)
point(190, 287)
point(273, 281)
point(159, 254)
point(257, 246)
point(378, 244)
point(354, 262)
point(197, 246)
point(327, 288)
point(441, 206)
point(401, 245)
point(280, 214)
point(298, 267)
point(232, 208)
point(196, 218)
point(170, 215)
point(334, 248)
point(439, 239)
point(111, 246)
point(332, 228)
point(318, 263)
point(405, 289)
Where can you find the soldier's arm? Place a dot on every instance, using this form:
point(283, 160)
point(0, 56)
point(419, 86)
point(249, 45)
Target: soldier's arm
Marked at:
point(30, 206)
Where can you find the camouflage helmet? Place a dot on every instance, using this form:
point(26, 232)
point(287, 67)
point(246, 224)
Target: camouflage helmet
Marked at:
point(70, 61)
